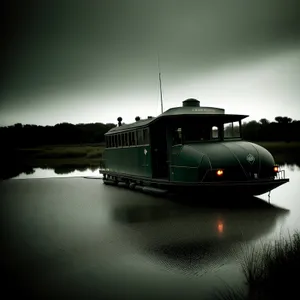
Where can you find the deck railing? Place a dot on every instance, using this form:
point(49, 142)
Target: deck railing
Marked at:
point(280, 174)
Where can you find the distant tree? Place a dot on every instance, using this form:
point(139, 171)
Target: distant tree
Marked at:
point(18, 126)
point(287, 120)
point(111, 125)
point(278, 119)
point(264, 122)
point(29, 135)
point(251, 130)
point(283, 120)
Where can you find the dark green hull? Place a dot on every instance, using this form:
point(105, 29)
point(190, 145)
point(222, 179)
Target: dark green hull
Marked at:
point(246, 188)
point(192, 168)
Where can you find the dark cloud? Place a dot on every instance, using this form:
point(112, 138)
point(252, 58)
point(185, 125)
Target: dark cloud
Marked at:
point(60, 45)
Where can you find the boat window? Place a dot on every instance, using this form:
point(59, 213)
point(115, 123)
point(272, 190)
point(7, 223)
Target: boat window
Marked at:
point(114, 141)
point(198, 132)
point(146, 136)
point(129, 142)
point(232, 130)
point(134, 138)
point(123, 139)
point(177, 136)
point(119, 140)
point(129, 139)
point(215, 132)
point(140, 137)
point(126, 139)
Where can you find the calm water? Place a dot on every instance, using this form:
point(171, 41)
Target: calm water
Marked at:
point(50, 173)
point(75, 237)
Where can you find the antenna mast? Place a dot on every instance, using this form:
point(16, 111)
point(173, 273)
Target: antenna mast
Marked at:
point(160, 89)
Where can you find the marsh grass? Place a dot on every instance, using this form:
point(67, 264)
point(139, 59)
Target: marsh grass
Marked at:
point(13, 161)
point(61, 152)
point(271, 270)
point(280, 145)
point(95, 153)
point(48, 163)
point(283, 152)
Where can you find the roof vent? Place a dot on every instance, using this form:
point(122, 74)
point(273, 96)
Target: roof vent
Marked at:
point(191, 102)
point(137, 118)
point(119, 121)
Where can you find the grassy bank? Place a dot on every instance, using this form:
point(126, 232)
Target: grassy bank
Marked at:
point(16, 161)
point(283, 152)
point(280, 147)
point(61, 158)
point(271, 272)
point(79, 154)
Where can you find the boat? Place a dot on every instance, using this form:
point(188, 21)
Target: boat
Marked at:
point(188, 149)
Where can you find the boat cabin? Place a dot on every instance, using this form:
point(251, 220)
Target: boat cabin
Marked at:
point(148, 147)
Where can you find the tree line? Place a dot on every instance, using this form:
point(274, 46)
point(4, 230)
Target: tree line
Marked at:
point(18, 135)
point(282, 129)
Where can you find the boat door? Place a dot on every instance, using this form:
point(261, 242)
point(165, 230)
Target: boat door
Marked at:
point(160, 157)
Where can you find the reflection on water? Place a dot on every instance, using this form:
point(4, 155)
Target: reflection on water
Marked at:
point(23, 172)
point(287, 196)
point(197, 240)
point(60, 171)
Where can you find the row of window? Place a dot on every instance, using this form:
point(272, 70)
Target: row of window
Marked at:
point(141, 136)
point(128, 139)
point(205, 133)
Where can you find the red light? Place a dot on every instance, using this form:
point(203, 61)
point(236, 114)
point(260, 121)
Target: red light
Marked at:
point(276, 169)
point(220, 227)
point(220, 172)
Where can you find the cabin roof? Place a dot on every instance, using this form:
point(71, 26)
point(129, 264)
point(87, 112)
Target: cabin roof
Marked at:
point(200, 111)
point(140, 123)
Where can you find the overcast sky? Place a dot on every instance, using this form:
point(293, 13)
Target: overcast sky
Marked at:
point(92, 60)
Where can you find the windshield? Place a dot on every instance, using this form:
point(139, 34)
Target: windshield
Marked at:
point(196, 133)
point(232, 130)
point(205, 132)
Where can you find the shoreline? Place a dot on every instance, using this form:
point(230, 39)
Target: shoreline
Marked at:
point(283, 152)
point(84, 156)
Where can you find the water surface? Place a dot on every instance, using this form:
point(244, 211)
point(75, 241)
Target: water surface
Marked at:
point(59, 172)
point(76, 237)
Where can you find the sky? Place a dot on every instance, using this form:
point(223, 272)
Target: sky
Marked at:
point(93, 61)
